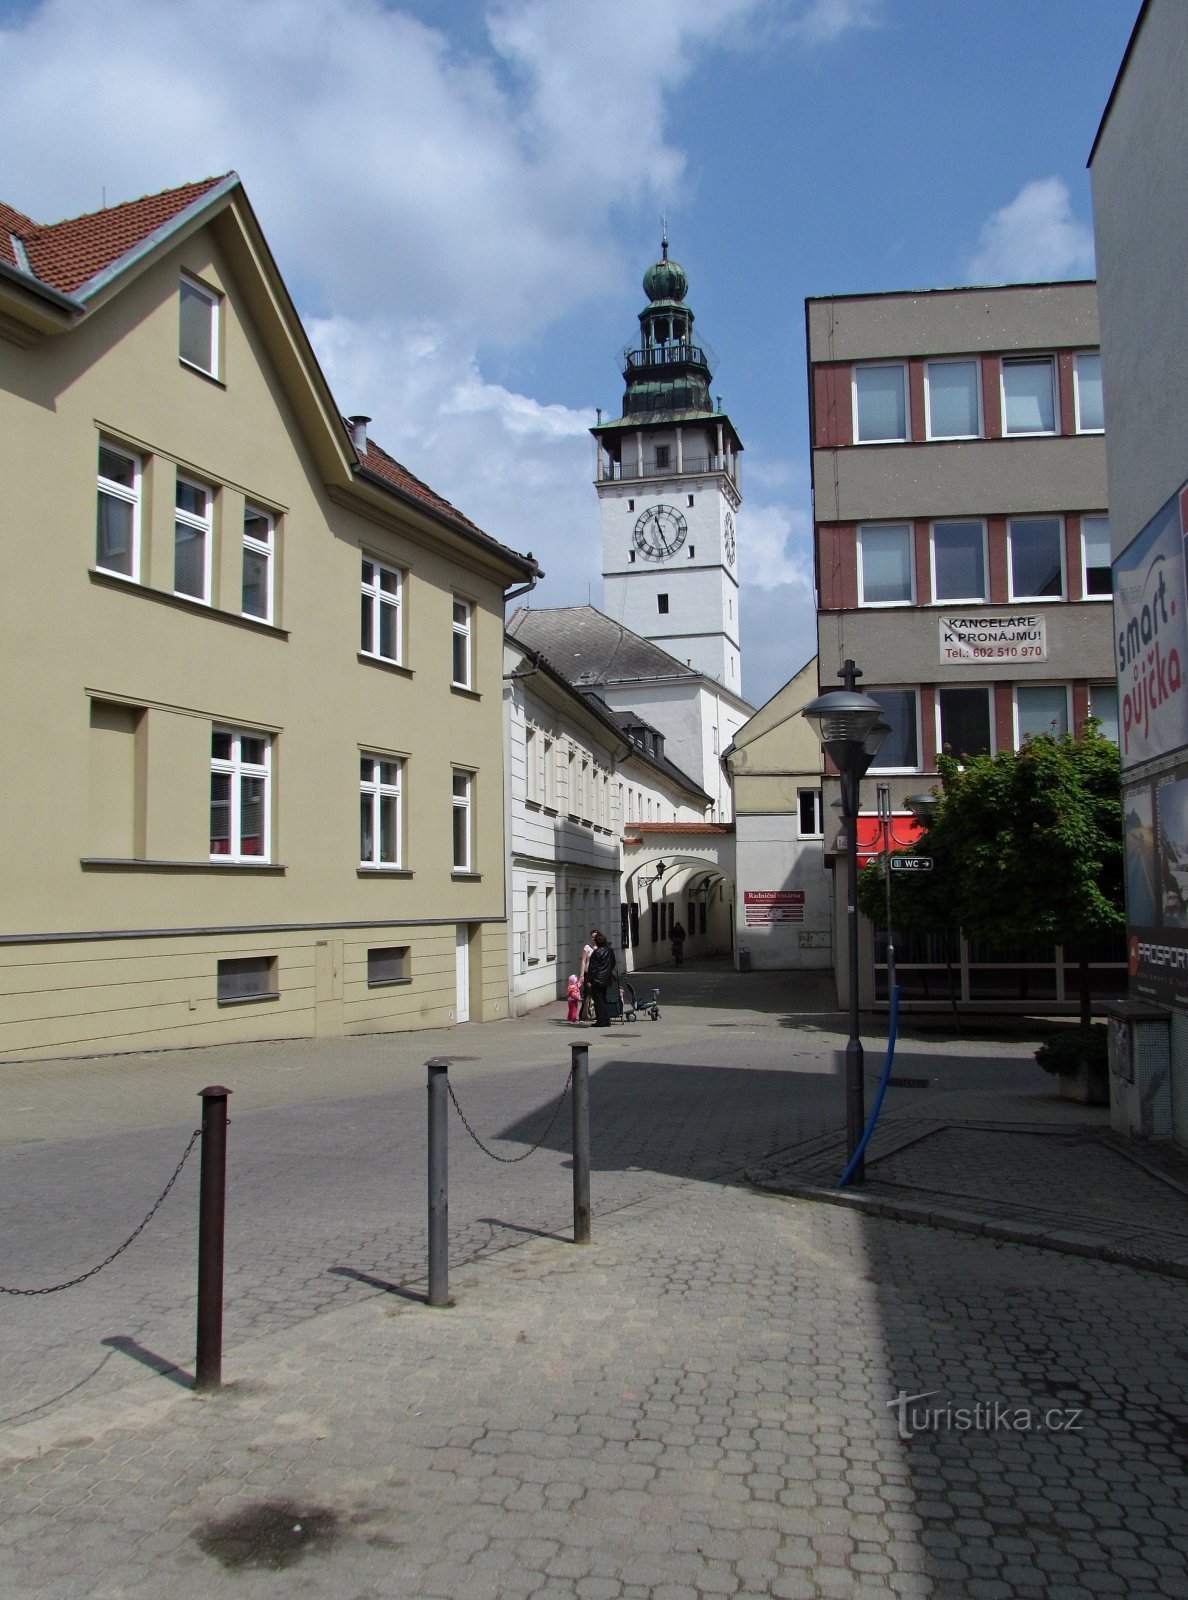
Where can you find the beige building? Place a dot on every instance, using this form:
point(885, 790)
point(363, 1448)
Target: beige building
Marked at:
point(783, 892)
point(962, 542)
point(253, 665)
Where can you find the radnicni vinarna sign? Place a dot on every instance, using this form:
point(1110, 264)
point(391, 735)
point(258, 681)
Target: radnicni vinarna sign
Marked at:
point(1151, 637)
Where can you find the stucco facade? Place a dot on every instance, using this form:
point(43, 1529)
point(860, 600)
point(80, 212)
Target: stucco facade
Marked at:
point(204, 723)
point(783, 891)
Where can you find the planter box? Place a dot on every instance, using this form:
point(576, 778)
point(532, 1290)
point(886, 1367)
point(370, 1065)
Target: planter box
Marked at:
point(1089, 1085)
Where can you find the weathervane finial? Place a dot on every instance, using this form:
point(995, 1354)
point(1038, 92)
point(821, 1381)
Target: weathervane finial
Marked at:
point(664, 236)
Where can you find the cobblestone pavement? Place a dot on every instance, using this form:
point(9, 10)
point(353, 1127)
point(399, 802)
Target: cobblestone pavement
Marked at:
point(730, 1392)
point(702, 1403)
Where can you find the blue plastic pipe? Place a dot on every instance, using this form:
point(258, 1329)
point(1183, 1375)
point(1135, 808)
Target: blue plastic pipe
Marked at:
point(892, 1033)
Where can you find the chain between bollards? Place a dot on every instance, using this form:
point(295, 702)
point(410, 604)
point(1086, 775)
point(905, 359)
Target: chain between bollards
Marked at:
point(439, 1198)
point(580, 1073)
point(212, 1199)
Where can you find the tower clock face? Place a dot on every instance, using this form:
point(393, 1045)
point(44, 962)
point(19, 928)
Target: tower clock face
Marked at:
point(730, 538)
point(660, 532)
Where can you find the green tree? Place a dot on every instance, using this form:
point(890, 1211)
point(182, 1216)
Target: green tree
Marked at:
point(1025, 845)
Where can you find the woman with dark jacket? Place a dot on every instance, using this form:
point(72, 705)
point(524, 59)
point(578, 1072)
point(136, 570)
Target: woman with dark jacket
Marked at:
point(600, 974)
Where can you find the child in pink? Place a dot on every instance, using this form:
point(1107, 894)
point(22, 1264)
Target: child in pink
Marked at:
point(573, 993)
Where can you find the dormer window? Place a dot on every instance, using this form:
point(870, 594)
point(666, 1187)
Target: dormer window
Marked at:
point(198, 338)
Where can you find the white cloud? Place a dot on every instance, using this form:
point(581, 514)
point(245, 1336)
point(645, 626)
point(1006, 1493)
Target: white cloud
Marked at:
point(425, 199)
point(1034, 238)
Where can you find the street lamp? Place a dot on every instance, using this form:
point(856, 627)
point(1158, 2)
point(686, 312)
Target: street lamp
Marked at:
point(850, 728)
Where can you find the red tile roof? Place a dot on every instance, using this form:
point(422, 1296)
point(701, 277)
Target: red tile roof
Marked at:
point(68, 254)
point(682, 827)
point(387, 468)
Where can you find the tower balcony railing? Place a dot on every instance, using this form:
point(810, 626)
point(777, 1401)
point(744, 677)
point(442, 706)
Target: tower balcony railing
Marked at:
point(665, 355)
point(690, 467)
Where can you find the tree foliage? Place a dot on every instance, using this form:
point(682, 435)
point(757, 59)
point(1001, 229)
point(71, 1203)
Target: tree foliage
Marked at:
point(1026, 845)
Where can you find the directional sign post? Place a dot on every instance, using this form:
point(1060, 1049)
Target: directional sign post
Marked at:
point(911, 863)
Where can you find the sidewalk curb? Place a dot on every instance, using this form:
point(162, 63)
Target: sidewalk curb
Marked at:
point(955, 1220)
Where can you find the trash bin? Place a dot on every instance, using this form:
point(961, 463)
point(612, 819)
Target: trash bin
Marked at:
point(744, 958)
point(1140, 1069)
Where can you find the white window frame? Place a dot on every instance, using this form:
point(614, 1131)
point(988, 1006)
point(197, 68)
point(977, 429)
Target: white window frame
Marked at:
point(550, 773)
point(1112, 686)
point(962, 361)
point(462, 634)
point(1093, 517)
point(1041, 685)
point(987, 690)
point(1061, 531)
point(882, 366)
point(238, 769)
point(531, 766)
point(1085, 355)
point(886, 527)
point(550, 921)
point(896, 688)
point(376, 790)
point(265, 548)
point(461, 802)
point(377, 597)
point(818, 832)
point(212, 302)
point(1009, 362)
point(130, 497)
point(204, 526)
point(533, 919)
point(958, 599)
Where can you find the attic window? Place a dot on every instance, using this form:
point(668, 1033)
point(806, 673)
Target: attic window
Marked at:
point(198, 340)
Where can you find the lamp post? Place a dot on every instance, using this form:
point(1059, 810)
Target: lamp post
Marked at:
point(850, 729)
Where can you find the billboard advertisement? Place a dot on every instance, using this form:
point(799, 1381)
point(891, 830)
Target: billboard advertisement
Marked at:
point(1151, 638)
point(1155, 812)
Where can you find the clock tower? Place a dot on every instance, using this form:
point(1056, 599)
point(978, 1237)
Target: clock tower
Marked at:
point(667, 480)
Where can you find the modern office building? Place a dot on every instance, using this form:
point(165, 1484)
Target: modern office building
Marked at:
point(962, 546)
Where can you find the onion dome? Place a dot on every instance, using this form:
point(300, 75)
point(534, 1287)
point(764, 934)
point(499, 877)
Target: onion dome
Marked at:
point(665, 280)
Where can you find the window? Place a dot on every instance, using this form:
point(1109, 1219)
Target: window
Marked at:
point(239, 801)
point(191, 540)
point(550, 775)
point(662, 451)
point(1096, 578)
point(117, 534)
point(958, 561)
point(380, 830)
point(550, 899)
point(246, 978)
point(963, 722)
point(389, 965)
point(571, 787)
point(380, 630)
point(880, 404)
point(1035, 547)
point(900, 750)
point(531, 766)
point(258, 533)
point(953, 399)
point(198, 338)
point(809, 816)
point(462, 842)
point(533, 927)
point(1028, 396)
point(662, 604)
point(1087, 388)
point(1103, 704)
point(885, 564)
point(1040, 708)
point(463, 674)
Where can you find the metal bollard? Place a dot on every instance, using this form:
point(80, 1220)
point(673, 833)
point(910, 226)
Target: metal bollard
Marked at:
point(439, 1183)
point(580, 1054)
point(212, 1200)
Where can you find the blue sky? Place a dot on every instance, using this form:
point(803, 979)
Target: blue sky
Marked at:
point(463, 198)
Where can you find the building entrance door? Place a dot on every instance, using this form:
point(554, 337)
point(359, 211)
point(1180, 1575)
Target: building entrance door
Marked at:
point(462, 972)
